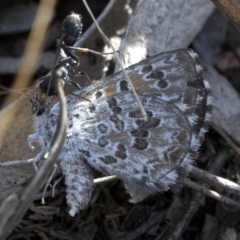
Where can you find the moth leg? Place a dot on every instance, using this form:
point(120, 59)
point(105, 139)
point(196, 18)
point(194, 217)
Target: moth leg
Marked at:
point(56, 182)
point(78, 180)
point(48, 183)
point(38, 158)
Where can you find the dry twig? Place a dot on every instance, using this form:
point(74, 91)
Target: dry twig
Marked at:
point(231, 9)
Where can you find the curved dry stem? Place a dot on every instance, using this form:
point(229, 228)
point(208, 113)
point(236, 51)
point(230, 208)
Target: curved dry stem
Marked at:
point(25, 201)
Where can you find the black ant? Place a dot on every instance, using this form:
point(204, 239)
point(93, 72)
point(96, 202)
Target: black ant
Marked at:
point(71, 31)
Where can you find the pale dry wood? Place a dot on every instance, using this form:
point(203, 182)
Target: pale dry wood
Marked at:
point(226, 137)
point(225, 114)
point(159, 26)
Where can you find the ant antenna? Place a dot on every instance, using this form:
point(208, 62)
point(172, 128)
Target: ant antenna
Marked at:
point(37, 102)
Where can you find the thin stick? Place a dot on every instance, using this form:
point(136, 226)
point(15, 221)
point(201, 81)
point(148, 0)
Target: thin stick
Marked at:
point(7, 209)
point(17, 162)
point(176, 230)
point(144, 114)
point(48, 183)
point(96, 181)
point(25, 201)
point(215, 181)
point(105, 179)
point(210, 193)
point(231, 9)
point(55, 184)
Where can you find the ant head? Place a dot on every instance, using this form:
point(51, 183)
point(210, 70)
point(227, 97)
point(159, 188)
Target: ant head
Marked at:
point(72, 28)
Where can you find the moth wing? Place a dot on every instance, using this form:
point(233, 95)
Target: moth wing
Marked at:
point(114, 139)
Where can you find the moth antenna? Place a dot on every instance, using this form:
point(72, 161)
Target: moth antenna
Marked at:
point(15, 91)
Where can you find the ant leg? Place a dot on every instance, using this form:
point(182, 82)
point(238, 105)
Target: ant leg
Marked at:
point(86, 76)
point(71, 55)
point(87, 50)
point(74, 84)
point(78, 96)
point(39, 158)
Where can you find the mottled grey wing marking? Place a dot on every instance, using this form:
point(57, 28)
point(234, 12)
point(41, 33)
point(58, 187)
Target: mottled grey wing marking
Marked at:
point(176, 76)
point(148, 156)
point(162, 74)
point(137, 144)
point(109, 134)
point(78, 177)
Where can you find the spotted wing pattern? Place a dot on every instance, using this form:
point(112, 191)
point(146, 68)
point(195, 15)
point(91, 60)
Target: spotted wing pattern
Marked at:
point(110, 135)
